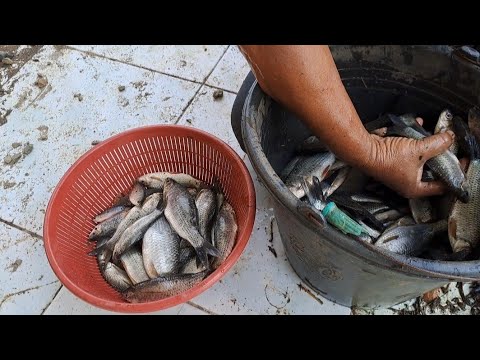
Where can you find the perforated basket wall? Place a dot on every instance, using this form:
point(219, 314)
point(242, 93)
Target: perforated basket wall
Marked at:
point(92, 183)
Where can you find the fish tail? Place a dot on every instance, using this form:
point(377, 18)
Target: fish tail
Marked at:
point(205, 250)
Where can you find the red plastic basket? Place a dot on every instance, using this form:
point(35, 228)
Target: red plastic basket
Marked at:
point(92, 183)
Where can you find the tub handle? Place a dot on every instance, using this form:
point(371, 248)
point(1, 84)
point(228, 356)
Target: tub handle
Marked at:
point(468, 53)
point(311, 214)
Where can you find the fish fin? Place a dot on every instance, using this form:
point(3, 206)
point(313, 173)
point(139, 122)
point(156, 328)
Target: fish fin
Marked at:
point(205, 250)
point(162, 205)
point(317, 189)
point(397, 121)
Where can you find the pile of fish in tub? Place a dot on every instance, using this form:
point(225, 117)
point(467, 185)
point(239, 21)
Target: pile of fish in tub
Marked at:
point(166, 236)
point(439, 228)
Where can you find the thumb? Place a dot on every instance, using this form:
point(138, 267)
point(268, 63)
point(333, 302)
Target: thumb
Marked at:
point(435, 145)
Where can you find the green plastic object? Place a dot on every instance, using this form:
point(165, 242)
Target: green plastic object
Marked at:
point(341, 221)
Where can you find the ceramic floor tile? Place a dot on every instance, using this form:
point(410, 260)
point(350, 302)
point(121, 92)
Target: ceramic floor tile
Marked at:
point(212, 115)
point(27, 283)
point(80, 103)
point(230, 71)
point(192, 62)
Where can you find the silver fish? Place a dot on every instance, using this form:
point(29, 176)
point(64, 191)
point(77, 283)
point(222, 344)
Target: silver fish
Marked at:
point(132, 262)
point(365, 198)
point(163, 287)
point(317, 165)
point(388, 215)
point(137, 194)
point(403, 221)
point(116, 277)
point(446, 165)
point(109, 213)
point(375, 208)
point(182, 215)
point(133, 215)
point(103, 255)
point(157, 180)
point(206, 204)
point(108, 227)
point(410, 240)
point(445, 123)
point(134, 233)
point(290, 166)
point(422, 210)
point(224, 233)
point(463, 227)
point(161, 249)
point(339, 180)
point(365, 237)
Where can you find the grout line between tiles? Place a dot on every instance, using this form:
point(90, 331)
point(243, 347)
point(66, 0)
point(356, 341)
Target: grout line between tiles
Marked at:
point(203, 84)
point(135, 65)
point(50, 303)
point(201, 308)
point(31, 233)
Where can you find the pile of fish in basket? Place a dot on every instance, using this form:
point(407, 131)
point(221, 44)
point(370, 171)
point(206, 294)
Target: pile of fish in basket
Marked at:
point(166, 236)
point(439, 228)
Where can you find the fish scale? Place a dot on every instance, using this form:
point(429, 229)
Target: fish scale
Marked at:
point(161, 249)
point(463, 228)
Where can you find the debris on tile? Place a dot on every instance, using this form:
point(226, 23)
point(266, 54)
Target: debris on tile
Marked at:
point(3, 118)
point(9, 184)
point(121, 88)
point(5, 55)
point(166, 98)
point(183, 63)
point(41, 81)
point(139, 85)
point(7, 61)
point(218, 94)
point(124, 102)
point(96, 142)
point(15, 265)
point(189, 121)
point(78, 96)
point(428, 297)
point(27, 149)
point(273, 251)
point(12, 159)
point(16, 145)
point(43, 132)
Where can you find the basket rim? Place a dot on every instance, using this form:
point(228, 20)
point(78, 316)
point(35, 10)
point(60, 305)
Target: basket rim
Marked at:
point(242, 239)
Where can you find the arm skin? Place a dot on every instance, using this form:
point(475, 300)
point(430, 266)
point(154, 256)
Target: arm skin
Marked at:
point(305, 80)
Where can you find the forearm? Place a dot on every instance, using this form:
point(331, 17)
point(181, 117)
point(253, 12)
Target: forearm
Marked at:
point(306, 81)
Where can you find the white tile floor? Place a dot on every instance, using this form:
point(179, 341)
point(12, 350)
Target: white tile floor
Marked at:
point(82, 103)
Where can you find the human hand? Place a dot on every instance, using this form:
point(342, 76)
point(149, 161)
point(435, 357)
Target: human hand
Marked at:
point(398, 162)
